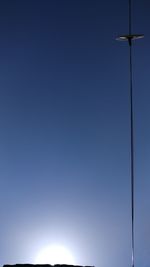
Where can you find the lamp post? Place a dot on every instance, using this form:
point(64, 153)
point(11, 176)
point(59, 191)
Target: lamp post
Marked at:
point(130, 37)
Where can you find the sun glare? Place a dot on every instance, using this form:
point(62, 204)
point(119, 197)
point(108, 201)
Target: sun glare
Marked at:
point(54, 255)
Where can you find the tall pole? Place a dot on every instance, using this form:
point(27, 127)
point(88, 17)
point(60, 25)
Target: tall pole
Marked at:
point(131, 136)
point(132, 149)
point(129, 38)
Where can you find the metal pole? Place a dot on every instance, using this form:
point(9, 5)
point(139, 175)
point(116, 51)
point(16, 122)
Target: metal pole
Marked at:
point(130, 37)
point(130, 13)
point(131, 135)
point(131, 150)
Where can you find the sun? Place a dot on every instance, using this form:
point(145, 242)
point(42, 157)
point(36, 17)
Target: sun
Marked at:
point(54, 254)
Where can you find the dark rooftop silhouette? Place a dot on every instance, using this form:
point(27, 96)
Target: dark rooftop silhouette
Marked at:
point(43, 265)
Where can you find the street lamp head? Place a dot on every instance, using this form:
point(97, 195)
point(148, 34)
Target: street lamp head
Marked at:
point(129, 37)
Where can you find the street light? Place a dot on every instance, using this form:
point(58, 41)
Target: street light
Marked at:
point(129, 38)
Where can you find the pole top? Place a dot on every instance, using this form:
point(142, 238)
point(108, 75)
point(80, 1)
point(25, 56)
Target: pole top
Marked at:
point(129, 37)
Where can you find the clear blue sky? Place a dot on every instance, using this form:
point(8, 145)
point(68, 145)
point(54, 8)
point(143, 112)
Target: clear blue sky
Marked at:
point(64, 131)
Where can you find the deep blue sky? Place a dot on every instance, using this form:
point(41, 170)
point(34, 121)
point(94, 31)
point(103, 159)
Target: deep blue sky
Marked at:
point(64, 131)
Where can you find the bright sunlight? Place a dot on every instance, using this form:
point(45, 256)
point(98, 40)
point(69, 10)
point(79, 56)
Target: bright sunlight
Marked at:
point(54, 255)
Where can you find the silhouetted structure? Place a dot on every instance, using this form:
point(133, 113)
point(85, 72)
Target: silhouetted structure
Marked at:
point(42, 265)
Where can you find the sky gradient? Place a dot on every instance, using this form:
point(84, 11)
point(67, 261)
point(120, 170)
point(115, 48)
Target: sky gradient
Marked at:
point(64, 131)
